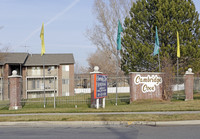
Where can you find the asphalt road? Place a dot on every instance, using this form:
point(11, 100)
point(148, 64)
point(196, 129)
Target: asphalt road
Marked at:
point(133, 132)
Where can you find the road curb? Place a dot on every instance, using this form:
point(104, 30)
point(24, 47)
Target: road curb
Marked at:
point(178, 123)
point(97, 123)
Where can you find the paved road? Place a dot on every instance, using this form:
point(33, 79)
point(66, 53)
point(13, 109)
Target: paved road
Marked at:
point(134, 132)
point(105, 113)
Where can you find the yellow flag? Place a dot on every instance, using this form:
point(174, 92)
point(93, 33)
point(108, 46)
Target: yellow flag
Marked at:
point(178, 46)
point(42, 39)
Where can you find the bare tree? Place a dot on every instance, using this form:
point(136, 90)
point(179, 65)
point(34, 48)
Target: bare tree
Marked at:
point(105, 62)
point(104, 32)
point(168, 78)
point(3, 49)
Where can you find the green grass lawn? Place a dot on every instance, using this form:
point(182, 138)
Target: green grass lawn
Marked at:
point(67, 105)
point(128, 117)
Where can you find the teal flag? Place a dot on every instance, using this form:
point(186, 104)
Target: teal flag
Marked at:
point(119, 36)
point(156, 47)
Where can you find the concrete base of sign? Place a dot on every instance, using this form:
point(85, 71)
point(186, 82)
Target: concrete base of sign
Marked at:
point(99, 103)
point(15, 107)
point(104, 103)
point(188, 99)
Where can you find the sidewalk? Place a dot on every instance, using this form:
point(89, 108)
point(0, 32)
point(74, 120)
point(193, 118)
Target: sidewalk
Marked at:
point(97, 123)
point(106, 113)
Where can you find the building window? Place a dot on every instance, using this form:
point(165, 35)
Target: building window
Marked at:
point(51, 80)
point(50, 69)
point(38, 71)
point(35, 70)
point(33, 84)
point(65, 67)
point(38, 84)
point(65, 81)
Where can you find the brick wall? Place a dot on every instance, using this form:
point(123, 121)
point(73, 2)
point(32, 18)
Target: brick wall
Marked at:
point(71, 80)
point(189, 85)
point(15, 92)
point(5, 81)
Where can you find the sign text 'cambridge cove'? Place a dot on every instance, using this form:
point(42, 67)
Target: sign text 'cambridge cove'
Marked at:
point(100, 86)
point(148, 83)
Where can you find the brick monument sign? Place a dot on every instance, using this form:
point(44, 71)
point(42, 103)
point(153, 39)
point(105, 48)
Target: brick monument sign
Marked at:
point(146, 85)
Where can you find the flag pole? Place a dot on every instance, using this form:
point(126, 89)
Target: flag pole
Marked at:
point(177, 66)
point(118, 48)
point(117, 78)
point(159, 60)
point(177, 76)
point(42, 54)
point(44, 78)
point(178, 56)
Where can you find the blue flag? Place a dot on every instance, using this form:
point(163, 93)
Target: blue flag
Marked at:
point(119, 36)
point(156, 47)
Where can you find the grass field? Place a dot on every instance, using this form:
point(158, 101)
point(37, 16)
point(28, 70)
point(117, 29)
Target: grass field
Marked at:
point(128, 117)
point(82, 103)
point(67, 105)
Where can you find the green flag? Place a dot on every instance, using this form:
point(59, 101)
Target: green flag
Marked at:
point(119, 36)
point(156, 47)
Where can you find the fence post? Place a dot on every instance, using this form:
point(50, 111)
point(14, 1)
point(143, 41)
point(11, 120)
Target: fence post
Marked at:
point(1, 88)
point(54, 85)
point(15, 91)
point(189, 84)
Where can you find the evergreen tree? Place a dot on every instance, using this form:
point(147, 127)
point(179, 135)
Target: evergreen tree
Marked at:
point(169, 16)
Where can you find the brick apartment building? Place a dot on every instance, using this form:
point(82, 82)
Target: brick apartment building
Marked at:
point(59, 74)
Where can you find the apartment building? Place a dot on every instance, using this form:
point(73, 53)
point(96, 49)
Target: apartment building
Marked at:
point(58, 74)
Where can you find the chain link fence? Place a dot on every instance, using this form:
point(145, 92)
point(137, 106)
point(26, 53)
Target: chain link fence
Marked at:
point(118, 92)
point(4, 94)
point(178, 88)
point(82, 93)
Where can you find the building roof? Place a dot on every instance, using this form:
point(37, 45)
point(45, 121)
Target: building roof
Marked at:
point(13, 58)
point(49, 59)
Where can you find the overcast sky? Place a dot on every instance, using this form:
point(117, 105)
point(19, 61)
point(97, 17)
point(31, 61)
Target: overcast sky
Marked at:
point(65, 24)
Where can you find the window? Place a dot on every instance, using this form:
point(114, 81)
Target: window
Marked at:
point(65, 67)
point(35, 70)
point(38, 71)
point(65, 81)
point(33, 84)
point(51, 80)
point(38, 83)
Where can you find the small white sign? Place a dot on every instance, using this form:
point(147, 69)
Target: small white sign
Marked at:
point(149, 83)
